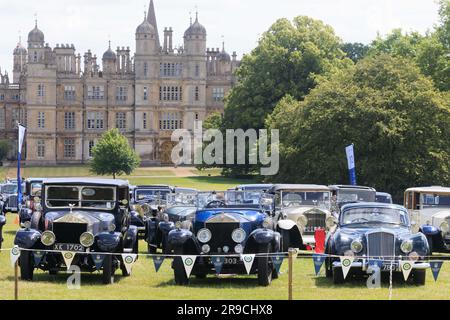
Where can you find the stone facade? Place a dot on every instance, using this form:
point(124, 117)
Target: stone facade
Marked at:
point(67, 101)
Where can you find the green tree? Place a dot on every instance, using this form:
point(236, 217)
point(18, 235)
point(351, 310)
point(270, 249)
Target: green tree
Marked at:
point(112, 155)
point(355, 51)
point(397, 120)
point(286, 61)
point(5, 146)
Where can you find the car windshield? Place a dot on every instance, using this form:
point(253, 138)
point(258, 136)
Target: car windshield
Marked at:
point(151, 194)
point(374, 215)
point(9, 189)
point(80, 197)
point(355, 195)
point(384, 198)
point(435, 200)
point(305, 198)
point(242, 197)
point(182, 198)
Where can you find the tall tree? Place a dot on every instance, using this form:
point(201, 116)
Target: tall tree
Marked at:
point(112, 155)
point(355, 51)
point(5, 146)
point(397, 120)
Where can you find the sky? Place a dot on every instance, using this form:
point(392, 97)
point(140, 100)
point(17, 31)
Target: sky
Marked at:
point(89, 24)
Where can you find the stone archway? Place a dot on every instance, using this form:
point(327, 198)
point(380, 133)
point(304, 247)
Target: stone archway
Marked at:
point(166, 152)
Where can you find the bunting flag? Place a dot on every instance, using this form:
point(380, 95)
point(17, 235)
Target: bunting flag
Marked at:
point(128, 260)
point(188, 262)
point(346, 263)
point(68, 258)
point(38, 255)
point(277, 262)
point(318, 259)
point(435, 268)
point(14, 255)
point(157, 261)
point(248, 261)
point(406, 267)
point(98, 260)
point(218, 263)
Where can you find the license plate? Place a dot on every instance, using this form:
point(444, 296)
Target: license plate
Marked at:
point(228, 260)
point(69, 247)
point(388, 267)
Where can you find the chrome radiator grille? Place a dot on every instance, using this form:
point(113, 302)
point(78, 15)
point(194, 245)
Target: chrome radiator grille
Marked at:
point(68, 232)
point(221, 235)
point(12, 201)
point(315, 221)
point(380, 244)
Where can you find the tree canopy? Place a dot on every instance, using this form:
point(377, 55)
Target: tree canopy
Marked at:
point(397, 120)
point(5, 146)
point(112, 155)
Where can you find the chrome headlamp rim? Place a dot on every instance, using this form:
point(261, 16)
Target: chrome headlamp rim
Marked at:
point(89, 241)
point(204, 235)
point(356, 246)
point(406, 246)
point(238, 235)
point(48, 238)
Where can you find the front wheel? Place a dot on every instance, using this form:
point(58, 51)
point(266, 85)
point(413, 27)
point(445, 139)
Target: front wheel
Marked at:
point(1, 237)
point(265, 268)
point(179, 271)
point(419, 277)
point(108, 270)
point(338, 276)
point(26, 265)
point(285, 240)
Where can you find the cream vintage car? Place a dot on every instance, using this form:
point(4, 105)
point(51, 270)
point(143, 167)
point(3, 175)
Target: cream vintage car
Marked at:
point(300, 210)
point(429, 209)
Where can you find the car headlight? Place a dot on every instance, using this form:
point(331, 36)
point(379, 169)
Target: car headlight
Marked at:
point(48, 238)
point(444, 227)
point(204, 235)
point(356, 246)
point(87, 239)
point(302, 220)
point(406, 246)
point(238, 249)
point(238, 235)
point(206, 248)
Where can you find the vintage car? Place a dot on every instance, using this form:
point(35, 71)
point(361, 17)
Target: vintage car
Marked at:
point(343, 194)
point(80, 215)
point(9, 196)
point(429, 208)
point(2, 224)
point(254, 187)
point(300, 210)
point(31, 196)
point(383, 197)
point(370, 231)
point(226, 230)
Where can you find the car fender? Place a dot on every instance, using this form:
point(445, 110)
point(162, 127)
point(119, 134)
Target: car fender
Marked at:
point(136, 219)
point(429, 230)
point(262, 236)
point(27, 238)
point(166, 226)
point(130, 237)
point(286, 224)
point(178, 237)
point(25, 215)
point(108, 241)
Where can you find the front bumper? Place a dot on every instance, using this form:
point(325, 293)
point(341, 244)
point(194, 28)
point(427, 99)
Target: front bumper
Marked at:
point(364, 264)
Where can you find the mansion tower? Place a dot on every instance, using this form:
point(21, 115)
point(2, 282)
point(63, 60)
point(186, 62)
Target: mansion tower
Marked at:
point(67, 101)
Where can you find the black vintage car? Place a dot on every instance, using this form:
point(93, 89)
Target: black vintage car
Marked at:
point(343, 194)
point(375, 231)
point(80, 215)
point(9, 197)
point(31, 196)
point(227, 228)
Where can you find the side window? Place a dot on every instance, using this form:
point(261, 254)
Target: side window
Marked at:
point(417, 201)
point(409, 200)
point(124, 193)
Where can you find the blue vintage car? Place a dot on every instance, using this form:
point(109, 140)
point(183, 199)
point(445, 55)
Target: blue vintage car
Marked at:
point(375, 231)
point(229, 231)
point(79, 215)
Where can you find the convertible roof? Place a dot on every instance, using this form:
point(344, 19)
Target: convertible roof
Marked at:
point(306, 187)
point(87, 181)
point(431, 189)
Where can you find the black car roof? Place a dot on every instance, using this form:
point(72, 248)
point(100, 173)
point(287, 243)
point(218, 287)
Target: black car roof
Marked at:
point(86, 181)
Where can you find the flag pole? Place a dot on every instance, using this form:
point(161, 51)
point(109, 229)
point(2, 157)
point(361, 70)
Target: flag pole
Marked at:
point(21, 136)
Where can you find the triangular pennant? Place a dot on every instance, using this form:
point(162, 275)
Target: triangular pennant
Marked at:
point(277, 262)
point(376, 262)
point(346, 263)
point(248, 261)
point(68, 258)
point(157, 261)
point(128, 260)
point(188, 262)
point(98, 260)
point(38, 255)
point(318, 261)
point(14, 255)
point(406, 267)
point(218, 263)
point(435, 268)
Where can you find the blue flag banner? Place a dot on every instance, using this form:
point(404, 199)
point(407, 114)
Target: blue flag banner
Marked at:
point(157, 261)
point(218, 264)
point(351, 164)
point(21, 137)
point(277, 262)
point(435, 268)
point(37, 257)
point(318, 261)
point(98, 260)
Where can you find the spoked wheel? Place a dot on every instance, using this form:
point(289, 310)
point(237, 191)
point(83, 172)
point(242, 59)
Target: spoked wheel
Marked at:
point(108, 270)
point(26, 265)
point(265, 267)
point(179, 271)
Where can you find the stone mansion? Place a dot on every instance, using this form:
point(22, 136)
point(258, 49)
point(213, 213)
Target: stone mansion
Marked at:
point(66, 105)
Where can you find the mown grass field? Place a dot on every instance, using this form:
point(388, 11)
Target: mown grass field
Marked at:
point(145, 283)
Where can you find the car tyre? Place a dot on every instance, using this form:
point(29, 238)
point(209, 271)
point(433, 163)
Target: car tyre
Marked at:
point(419, 277)
point(285, 240)
point(265, 269)
point(179, 271)
point(338, 276)
point(328, 266)
point(1, 237)
point(108, 270)
point(26, 265)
